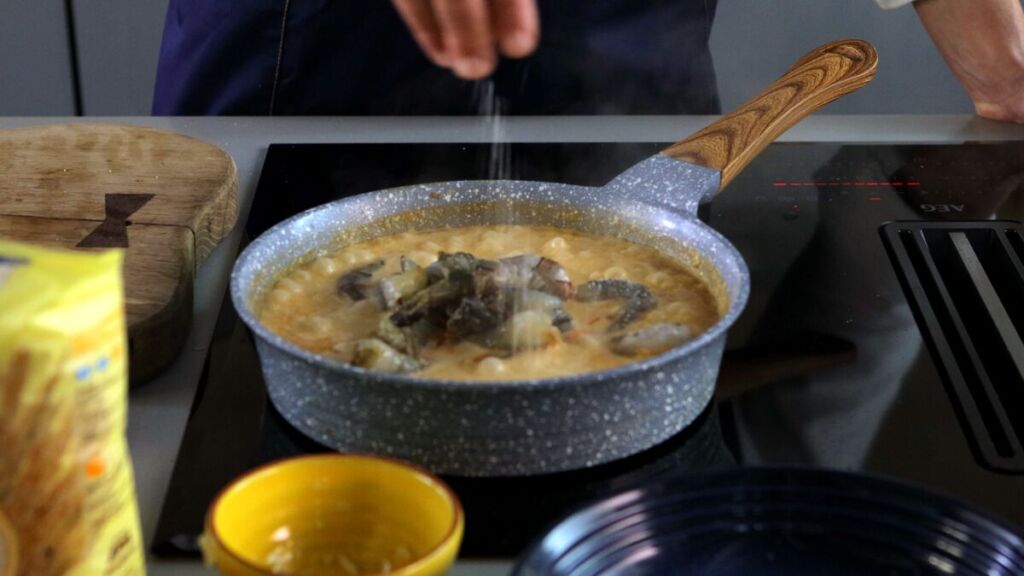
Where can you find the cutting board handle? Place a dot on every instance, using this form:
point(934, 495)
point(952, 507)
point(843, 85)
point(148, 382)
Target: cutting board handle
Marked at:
point(823, 75)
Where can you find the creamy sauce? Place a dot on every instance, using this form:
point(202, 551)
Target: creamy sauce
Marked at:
point(305, 307)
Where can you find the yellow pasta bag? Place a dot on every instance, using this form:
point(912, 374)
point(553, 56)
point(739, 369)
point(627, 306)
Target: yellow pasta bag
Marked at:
point(66, 487)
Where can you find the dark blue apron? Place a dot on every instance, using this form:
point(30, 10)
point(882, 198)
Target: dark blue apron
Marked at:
point(349, 57)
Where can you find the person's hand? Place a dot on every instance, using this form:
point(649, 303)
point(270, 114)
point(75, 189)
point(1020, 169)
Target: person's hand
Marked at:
point(982, 41)
point(1003, 101)
point(466, 35)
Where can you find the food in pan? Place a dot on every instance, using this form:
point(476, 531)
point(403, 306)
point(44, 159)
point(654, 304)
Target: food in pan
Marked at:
point(487, 303)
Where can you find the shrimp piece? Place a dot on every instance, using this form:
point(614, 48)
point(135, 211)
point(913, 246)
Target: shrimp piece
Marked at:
point(375, 354)
point(394, 289)
point(638, 299)
point(651, 340)
point(446, 264)
point(472, 316)
point(409, 340)
point(406, 264)
point(434, 300)
point(356, 282)
point(529, 271)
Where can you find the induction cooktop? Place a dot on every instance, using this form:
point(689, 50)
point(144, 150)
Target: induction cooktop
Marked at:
point(881, 333)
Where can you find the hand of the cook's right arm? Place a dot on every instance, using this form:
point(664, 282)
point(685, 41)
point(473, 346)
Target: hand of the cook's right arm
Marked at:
point(467, 35)
point(982, 41)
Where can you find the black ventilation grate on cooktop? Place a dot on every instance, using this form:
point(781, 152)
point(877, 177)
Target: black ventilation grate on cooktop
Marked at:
point(965, 283)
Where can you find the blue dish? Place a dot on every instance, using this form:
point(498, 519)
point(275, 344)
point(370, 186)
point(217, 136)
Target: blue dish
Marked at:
point(776, 521)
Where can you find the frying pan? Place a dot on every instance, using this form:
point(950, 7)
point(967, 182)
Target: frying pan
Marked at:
point(537, 426)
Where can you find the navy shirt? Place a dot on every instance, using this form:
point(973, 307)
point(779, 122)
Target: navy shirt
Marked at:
point(349, 57)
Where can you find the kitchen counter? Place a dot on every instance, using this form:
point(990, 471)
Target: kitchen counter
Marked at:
point(158, 410)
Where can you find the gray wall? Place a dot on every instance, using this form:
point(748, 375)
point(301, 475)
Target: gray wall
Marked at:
point(753, 42)
point(118, 47)
point(35, 61)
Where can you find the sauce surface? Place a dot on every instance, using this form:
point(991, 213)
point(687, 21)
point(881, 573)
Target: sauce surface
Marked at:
point(306, 307)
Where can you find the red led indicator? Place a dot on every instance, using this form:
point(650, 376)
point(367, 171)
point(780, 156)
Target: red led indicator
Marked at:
point(875, 199)
point(822, 184)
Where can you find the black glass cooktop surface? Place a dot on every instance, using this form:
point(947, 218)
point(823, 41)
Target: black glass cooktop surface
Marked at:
point(831, 365)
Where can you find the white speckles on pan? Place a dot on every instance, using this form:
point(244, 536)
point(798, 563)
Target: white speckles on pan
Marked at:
point(500, 428)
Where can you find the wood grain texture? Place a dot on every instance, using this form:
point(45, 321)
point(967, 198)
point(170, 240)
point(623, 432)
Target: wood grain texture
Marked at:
point(165, 198)
point(196, 183)
point(821, 76)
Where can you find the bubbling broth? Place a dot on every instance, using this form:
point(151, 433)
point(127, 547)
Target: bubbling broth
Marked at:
point(491, 303)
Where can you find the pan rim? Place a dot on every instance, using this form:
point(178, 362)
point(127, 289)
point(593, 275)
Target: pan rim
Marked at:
point(239, 295)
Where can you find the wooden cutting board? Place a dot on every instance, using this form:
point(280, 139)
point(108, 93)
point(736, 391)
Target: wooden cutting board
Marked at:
point(165, 198)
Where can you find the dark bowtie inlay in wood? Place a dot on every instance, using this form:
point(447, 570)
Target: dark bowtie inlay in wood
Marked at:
point(113, 231)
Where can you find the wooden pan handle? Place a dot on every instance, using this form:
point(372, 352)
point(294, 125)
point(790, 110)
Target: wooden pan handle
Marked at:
point(823, 75)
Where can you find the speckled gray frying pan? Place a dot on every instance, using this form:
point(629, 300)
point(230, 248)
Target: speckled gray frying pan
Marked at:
point(538, 426)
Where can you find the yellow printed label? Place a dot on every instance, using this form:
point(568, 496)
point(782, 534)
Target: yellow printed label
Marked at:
point(8, 547)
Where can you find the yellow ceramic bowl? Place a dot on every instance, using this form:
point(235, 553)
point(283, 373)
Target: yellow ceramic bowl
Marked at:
point(334, 514)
